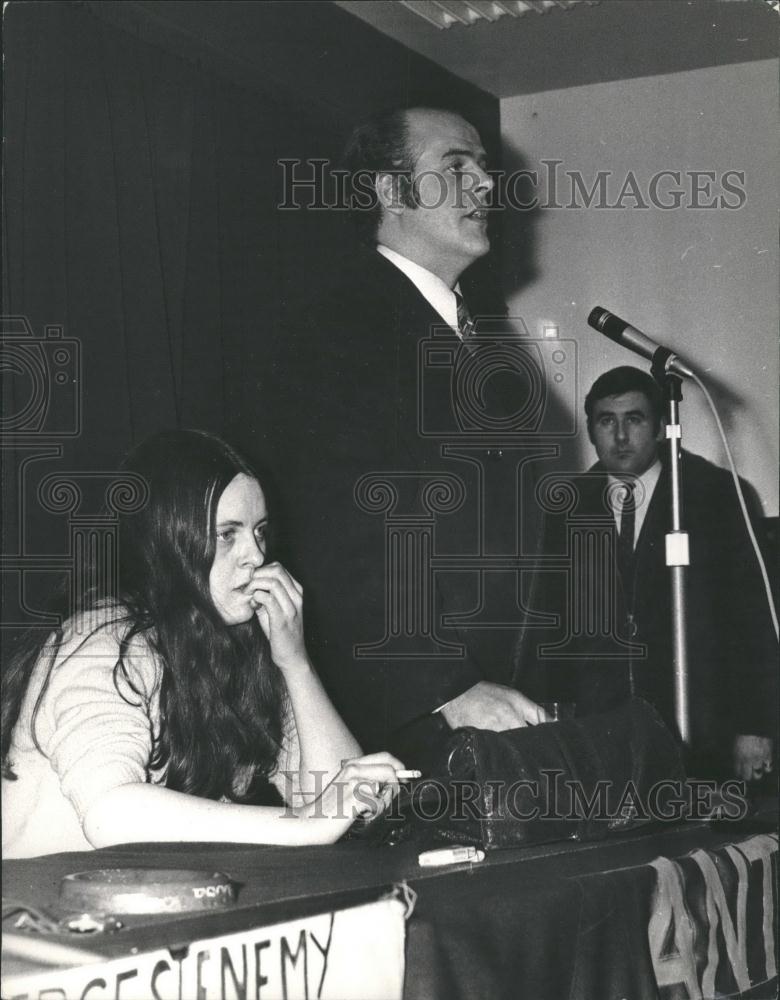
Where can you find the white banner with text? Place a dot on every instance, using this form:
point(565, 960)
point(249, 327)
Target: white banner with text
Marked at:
point(352, 954)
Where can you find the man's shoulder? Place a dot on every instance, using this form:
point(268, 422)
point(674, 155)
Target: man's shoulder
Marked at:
point(713, 486)
point(358, 297)
point(702, 466)
point(364, 278)
point(704, 476)
point(370, 303)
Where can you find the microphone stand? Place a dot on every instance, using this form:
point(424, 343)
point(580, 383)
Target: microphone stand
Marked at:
point(677, 549)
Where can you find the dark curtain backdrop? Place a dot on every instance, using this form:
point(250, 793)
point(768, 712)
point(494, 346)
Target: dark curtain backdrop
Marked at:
point(140, 215)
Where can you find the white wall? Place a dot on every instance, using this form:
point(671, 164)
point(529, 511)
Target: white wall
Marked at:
point(703, 281)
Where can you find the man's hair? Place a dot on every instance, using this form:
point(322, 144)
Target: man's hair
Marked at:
point(379, 144)
point(617, 381)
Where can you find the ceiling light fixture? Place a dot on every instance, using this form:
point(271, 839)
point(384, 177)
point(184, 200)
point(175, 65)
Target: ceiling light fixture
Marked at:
point(445, 13)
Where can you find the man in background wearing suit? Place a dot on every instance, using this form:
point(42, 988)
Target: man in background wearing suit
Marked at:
point(732, 650)
point(350, 380)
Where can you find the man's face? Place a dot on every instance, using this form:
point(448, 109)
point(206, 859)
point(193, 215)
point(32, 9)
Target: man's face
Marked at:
point(447, 230)
point(622, 429)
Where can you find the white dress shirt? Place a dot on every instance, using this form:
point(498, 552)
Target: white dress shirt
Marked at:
point(435, 291)
point(643, 494)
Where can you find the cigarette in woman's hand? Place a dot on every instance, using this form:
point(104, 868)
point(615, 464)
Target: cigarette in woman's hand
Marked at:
point(400, 773)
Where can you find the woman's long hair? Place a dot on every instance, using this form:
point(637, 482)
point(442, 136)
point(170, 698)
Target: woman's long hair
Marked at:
point(222, 700)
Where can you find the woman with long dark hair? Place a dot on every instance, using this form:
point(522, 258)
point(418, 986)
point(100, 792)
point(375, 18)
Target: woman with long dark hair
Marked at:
point(179, 694)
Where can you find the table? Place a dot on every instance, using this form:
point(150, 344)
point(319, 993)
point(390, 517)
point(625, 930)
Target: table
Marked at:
point(546, 923)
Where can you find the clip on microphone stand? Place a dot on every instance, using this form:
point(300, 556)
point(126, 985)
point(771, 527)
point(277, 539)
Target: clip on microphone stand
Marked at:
point(677, 549)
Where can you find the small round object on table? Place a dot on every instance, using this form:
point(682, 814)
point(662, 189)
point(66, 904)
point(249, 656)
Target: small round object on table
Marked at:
point(146, 890)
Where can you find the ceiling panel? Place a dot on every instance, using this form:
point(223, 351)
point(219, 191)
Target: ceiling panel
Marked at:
point(548, 45)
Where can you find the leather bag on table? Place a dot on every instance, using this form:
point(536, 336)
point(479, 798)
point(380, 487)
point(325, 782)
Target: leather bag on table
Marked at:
point(580, 779)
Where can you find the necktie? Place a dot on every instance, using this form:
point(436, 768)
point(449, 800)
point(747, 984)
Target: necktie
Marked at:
point(465, 322)
point(625, 552)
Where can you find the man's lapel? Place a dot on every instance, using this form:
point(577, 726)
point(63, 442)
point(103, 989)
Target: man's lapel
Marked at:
point(653, 526)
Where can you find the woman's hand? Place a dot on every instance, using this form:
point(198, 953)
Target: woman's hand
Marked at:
point(364, 786)
point(277, 599)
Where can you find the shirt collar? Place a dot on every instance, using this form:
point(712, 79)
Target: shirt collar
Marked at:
point(435, 291)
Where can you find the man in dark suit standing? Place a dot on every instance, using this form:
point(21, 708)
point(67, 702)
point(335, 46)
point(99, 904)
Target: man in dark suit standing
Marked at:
point(625, 645)
point(364, 489)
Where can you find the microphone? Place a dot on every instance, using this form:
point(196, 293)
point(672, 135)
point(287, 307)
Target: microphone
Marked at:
point(623, 333)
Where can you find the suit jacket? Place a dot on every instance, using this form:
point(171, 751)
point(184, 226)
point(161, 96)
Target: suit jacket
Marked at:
point(341, 405)
point(732, 651)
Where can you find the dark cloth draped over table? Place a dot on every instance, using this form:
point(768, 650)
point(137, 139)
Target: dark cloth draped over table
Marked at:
point(592, 922)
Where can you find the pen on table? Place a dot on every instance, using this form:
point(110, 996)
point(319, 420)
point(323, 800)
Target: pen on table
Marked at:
point(449, 856)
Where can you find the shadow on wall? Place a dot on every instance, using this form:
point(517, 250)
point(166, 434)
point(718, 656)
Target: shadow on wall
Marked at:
point(517, 193)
